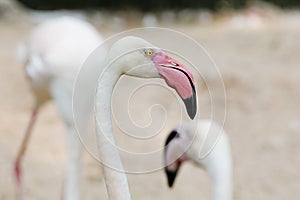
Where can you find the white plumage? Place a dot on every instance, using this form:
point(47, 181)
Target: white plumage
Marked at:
point(52, 56)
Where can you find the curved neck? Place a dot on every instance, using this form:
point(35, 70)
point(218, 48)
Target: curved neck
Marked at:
point(115, 180)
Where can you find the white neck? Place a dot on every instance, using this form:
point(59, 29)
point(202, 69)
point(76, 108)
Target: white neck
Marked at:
point(219, 166)
point(122, 59)
point(222, 185)
point(116, 182)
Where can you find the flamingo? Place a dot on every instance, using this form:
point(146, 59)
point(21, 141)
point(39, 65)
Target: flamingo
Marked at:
point(133, 56)
point(52, 55)
point(217, 163)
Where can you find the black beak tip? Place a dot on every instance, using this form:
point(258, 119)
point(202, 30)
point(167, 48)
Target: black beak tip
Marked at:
point(171, 175)
point(191, 105)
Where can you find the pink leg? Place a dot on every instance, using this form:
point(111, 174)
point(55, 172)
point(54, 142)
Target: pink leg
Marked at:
point(17, 167)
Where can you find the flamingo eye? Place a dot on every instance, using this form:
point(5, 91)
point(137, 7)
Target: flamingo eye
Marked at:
point(149, 52)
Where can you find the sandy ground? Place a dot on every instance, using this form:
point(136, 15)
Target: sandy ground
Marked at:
point(260, 68)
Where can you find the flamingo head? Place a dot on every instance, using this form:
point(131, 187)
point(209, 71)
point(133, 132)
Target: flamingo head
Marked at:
point(176, 75)
point(174, 155)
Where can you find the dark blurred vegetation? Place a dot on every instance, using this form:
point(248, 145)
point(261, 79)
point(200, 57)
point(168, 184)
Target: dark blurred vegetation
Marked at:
point(148, 5)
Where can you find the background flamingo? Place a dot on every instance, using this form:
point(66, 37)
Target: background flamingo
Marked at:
point(184, 144)
point(52, 55)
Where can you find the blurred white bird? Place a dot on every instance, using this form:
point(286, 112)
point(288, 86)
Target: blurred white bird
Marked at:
point(52, 56)
point(184, 144)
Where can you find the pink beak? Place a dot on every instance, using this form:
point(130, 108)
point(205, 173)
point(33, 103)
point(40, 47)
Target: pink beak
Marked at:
point(178, 77)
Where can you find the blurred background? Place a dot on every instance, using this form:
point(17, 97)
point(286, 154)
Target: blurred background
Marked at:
point(256, 47)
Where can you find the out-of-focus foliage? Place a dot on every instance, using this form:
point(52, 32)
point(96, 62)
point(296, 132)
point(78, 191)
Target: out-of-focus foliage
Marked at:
point(285, 3)
point(118, 4)
point(147, 5)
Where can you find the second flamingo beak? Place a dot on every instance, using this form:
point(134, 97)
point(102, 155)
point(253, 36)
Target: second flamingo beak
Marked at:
point(172, 173)
point(178, 77)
